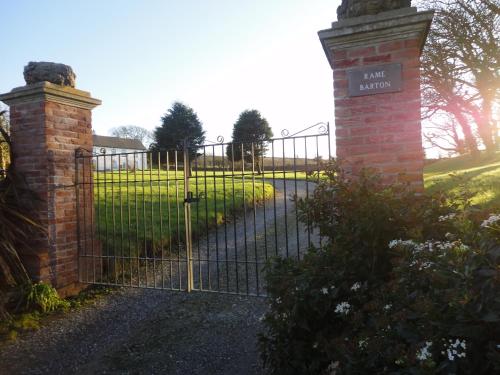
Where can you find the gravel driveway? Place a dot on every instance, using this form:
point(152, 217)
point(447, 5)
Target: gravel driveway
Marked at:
point(137, 331)
point(232, 258)
point(143, 331)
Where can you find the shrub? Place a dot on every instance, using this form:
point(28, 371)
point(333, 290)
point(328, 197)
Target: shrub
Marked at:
point(18, 226)
point(43, 297)
point(405, 284)
point(33, 301)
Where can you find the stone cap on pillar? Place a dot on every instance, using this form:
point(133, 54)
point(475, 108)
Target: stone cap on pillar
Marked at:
point(405, 23)
point(46, 91)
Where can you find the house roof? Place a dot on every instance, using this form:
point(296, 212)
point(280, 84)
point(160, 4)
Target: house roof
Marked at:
point(116, 142)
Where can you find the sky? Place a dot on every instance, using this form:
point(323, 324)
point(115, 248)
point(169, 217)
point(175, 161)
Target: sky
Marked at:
point(218, 56)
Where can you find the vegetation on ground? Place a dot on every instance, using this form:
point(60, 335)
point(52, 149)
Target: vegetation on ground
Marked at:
point(34, 300)
point(406, 285)
point(40, 300)
point(43, 297)
point(147, 212)
point(479, 176)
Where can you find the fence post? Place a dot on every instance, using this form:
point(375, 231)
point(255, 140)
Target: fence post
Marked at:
point(49, 122)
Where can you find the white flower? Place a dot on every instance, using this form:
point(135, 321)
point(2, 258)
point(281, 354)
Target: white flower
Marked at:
point(417, 247)
point(387, 307)
point(278, 300)
point(463, 247)
point(362, 344)
point(456, 349)
point(424, 353)
point(422, 246)
point(425, 265)
point(315, 345)
point(332, 368)
point(396, 243)
point(343, 308)
point(447, 217)
point(324, 290)
point(493, 219)
point(356, 286)
point(432, 246)
point(446, 245)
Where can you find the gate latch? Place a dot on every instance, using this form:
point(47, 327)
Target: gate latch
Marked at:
point(190, 198)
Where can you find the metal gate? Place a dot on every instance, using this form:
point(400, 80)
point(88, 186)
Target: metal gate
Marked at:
point(204, 218)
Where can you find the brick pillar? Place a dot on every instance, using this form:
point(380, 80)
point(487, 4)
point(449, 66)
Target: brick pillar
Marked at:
point(48, 123)
point(376, 62)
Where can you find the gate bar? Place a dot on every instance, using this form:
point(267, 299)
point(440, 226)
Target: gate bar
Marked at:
point(187, 219)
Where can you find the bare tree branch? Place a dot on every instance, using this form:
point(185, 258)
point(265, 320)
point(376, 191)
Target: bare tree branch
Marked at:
point(461, 66)
point(133, 132)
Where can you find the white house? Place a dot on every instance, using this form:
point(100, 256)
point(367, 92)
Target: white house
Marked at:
point(113, 154)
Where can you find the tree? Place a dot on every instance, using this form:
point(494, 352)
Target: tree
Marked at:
point(461, 67)
point(446, 136)
point(132, 132)
point(179, 124)
point(250, 132)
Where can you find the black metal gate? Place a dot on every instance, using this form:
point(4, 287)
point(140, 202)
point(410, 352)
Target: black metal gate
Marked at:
point(204, 218)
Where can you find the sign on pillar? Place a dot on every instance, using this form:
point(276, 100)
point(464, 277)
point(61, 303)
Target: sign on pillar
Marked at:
point(375, 80)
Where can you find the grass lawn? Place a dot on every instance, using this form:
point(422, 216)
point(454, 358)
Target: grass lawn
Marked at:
point(144, 210)
point(480, 175)
point(300, 176)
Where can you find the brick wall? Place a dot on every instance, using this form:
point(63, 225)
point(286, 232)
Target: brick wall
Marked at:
point(27, 129)
point(381, 131)
point(48, 124)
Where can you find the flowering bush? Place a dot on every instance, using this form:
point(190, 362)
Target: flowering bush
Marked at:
point(405, 284)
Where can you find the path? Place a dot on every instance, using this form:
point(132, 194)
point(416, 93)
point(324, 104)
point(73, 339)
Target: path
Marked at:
point(139, 331)
point(238, 250)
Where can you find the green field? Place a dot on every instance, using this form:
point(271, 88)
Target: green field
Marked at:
point(481, 175)
point(144, 210)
